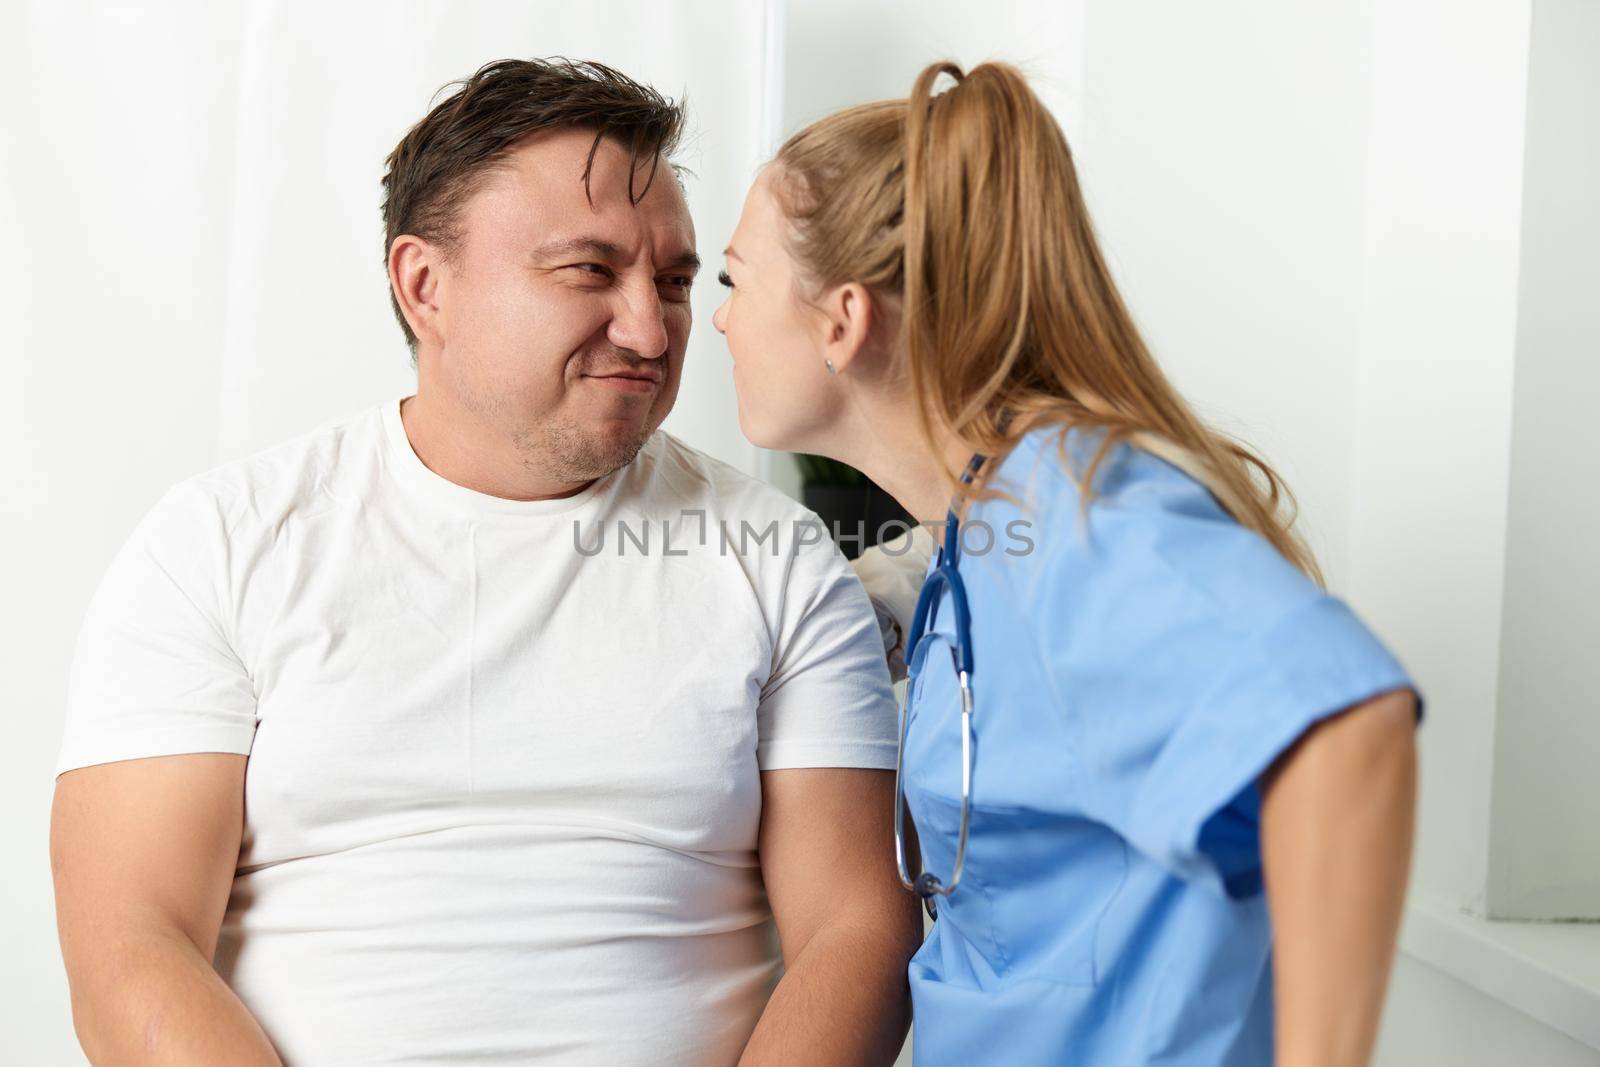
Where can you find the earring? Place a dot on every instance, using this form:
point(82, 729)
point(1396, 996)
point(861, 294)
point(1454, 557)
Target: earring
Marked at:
point(829, 362)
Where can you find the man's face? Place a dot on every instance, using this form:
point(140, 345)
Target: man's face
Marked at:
point(561, 323)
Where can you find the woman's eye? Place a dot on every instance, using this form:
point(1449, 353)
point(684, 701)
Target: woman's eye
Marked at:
point(722, 276)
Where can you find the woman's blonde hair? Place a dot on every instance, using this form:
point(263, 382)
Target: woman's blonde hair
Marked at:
point(965, 206)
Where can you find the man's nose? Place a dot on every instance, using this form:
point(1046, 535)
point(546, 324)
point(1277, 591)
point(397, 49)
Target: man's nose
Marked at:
point(639, 324)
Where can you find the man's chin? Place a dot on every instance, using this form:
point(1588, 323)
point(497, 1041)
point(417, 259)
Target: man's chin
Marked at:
point(595, 452)
point(619, 453)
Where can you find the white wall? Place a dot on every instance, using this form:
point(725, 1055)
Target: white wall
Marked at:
point(1221, 150)
point(1438, 321)
point(1544, 854)
point(841, 53)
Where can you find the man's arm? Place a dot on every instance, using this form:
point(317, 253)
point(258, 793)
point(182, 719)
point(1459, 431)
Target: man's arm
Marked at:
point(846, 926)
point(143, 852)
point(1336, 825)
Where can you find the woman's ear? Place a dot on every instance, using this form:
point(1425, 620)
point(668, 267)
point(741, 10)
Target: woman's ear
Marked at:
point(847, 312)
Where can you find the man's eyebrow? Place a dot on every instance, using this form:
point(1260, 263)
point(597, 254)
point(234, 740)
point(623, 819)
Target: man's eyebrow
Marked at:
point(581, 246)
point(605, 251)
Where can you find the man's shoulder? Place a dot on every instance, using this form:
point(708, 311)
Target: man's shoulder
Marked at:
point(685, 475)
point(269, 483)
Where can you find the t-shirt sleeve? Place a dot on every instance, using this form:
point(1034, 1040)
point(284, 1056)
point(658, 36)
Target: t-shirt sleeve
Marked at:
point(154, 672)
point(827, 701)
point(1188, 655)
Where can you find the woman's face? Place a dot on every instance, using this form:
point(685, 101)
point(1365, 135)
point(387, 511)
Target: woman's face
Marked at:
point(787, 398)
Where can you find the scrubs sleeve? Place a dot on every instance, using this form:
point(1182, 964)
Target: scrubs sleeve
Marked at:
point(1187, 654)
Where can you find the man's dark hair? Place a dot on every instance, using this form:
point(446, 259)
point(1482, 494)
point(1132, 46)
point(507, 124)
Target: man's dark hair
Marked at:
point(443, 159)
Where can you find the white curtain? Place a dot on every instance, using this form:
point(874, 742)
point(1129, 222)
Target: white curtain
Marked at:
point(193, 270)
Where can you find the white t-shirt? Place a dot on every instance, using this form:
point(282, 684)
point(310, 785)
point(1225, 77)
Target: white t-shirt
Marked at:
point(503, 790)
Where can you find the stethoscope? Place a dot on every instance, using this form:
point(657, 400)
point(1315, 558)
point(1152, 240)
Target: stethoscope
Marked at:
point(945, 574)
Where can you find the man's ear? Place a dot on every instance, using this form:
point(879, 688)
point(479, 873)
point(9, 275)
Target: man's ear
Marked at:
point(848, 312)
point(414, 276)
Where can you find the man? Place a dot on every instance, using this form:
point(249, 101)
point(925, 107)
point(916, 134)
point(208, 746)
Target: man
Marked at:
point(493, 725)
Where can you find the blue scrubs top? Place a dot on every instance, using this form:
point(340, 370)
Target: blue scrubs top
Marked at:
point(1133, 675)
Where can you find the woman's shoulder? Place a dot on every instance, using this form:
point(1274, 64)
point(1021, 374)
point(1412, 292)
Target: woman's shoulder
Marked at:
point(1053, 465)
point(1148, 525)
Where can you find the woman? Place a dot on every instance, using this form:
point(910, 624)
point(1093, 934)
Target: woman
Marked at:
point(1192, 772)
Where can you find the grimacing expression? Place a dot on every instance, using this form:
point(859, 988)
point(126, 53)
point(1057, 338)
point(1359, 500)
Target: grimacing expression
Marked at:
point(564, 322)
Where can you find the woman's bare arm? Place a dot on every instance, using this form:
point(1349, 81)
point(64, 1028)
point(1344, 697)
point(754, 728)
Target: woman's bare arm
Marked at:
point(1336, 827)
